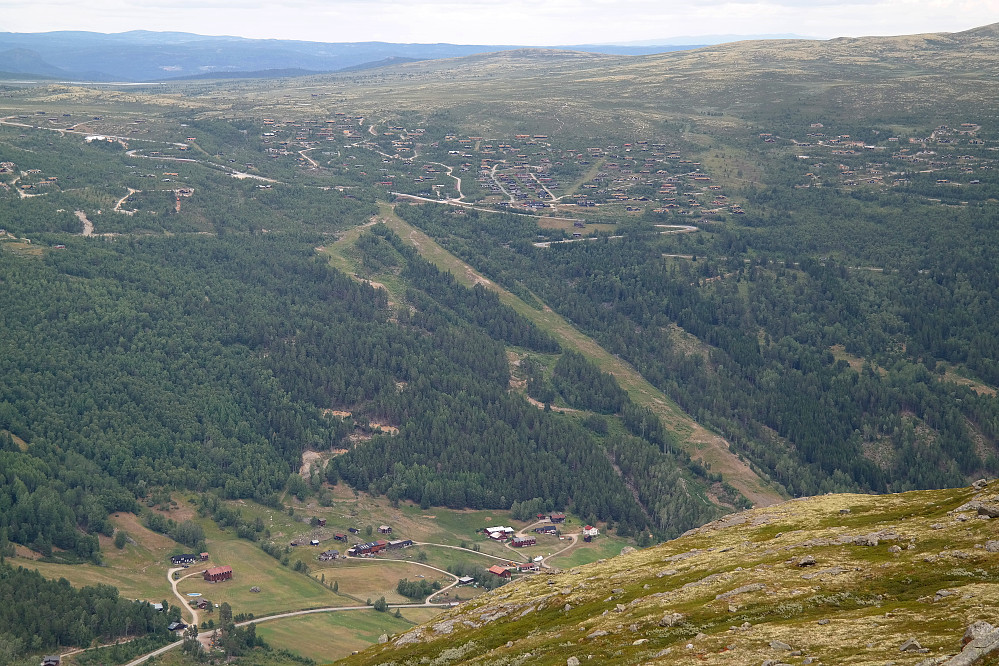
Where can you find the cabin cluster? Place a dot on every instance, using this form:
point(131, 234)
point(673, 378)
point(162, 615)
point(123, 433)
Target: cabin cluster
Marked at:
point(186, 559)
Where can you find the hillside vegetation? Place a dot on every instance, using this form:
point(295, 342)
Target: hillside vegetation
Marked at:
point(833, 579)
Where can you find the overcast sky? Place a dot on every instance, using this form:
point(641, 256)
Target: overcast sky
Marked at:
point(527, 22)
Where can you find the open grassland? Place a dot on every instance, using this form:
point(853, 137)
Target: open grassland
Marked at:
point(373, 578)
point(138, 570)
point(326, 637)
point(281, 589)
point(584, 553)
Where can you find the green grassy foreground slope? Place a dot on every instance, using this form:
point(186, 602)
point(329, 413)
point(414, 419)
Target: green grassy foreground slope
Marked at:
point(834, 579)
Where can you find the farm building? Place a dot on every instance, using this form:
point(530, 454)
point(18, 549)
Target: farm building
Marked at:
point(546, 529)
point(327, 555)
point(499, 533)
point(499, 571)
point(466, 580)
point(520, 542)
point(400, 543)
point(370, 548)
point(217, 574)
point(186, 558)
point(557, 517)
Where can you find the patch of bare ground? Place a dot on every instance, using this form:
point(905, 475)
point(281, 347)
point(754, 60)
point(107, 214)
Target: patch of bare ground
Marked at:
point(26, 553)
point(976, 386)
point(714, 450)
point(140, 533)
point(384, 428)
point(309, 458)
point(880, 452)
point(181, 512)
point(21, 444)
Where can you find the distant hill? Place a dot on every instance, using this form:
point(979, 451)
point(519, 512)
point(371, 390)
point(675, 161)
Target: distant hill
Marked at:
point(153, 56)
point(259, 74)
point(837, 579)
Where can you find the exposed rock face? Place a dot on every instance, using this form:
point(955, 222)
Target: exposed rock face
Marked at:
point(671, 620)
point(976, 630)
point(990, 510)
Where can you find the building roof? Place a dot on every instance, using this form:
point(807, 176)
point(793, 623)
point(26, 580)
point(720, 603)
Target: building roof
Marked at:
point(498, 570)
point(215, 571)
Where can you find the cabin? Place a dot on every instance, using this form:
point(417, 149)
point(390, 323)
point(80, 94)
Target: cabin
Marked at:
point(50, 660)
point(204, 557)
point(352, 530)
point(466, 580)
point(339, 537)
point(546, 529)
point(218, 574)
point(557, 517)
point(500, 571)
point(590, 531)
point(384, 529)
point(328, 555)
point(176, 626)
point(186, 558)
point(314, 542)
point(204, 604)
point(321, 522)
point(521, 542)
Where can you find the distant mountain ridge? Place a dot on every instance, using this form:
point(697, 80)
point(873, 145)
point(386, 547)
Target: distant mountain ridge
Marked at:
point(157, 56)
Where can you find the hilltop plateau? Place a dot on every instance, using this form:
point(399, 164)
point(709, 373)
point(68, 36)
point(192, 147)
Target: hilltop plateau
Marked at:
point(834, 579)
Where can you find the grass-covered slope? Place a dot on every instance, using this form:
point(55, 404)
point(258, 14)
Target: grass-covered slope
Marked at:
point(833, 579)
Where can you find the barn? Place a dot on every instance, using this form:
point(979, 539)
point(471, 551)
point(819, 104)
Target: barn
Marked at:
point(217, 574)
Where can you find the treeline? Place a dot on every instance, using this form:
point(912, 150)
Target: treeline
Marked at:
point(37, 614)
point(417, 589)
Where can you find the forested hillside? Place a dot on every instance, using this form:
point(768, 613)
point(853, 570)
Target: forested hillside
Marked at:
point(767, 375)
point(803, 263)
point(205, 364)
